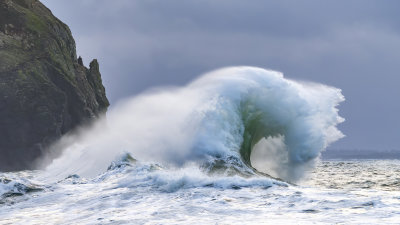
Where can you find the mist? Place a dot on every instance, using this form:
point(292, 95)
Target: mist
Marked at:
point(216, 118)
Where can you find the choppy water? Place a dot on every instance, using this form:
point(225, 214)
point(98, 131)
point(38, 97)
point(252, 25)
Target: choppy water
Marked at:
point(337, 192)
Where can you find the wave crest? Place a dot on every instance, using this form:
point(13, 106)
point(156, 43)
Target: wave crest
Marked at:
point(237, 120)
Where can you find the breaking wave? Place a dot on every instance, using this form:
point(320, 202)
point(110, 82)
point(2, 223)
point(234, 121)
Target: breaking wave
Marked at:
point(237, 120)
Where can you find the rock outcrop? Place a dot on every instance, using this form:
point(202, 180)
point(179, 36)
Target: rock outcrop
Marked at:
point(45, 91)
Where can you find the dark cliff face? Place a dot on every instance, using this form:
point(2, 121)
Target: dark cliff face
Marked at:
point(45, 91)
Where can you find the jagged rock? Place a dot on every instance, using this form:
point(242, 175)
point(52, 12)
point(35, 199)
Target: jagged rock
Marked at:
point(44, 91)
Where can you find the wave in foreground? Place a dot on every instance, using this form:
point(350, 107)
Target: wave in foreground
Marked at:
point(237, 120)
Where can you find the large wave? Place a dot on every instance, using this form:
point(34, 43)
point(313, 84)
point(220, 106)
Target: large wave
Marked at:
point(237, 120)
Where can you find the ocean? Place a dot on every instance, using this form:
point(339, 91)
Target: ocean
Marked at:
point(336, 192)
point(240, 145)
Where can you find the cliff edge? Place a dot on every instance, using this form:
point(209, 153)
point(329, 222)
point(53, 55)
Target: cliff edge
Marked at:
point(45, 90)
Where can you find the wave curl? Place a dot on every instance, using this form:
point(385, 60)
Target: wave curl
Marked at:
point(242, 120)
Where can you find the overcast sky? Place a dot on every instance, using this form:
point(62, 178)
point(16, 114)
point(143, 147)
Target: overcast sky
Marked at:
point(352, 45)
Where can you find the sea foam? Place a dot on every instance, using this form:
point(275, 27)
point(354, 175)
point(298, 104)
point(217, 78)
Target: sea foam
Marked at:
point(238, 119)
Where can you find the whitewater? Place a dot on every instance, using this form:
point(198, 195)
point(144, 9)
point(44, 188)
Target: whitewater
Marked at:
point(239, 145)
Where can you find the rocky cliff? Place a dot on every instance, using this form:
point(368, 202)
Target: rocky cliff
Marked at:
point(45, 90)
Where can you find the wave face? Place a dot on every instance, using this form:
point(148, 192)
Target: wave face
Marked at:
point(237, 120)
